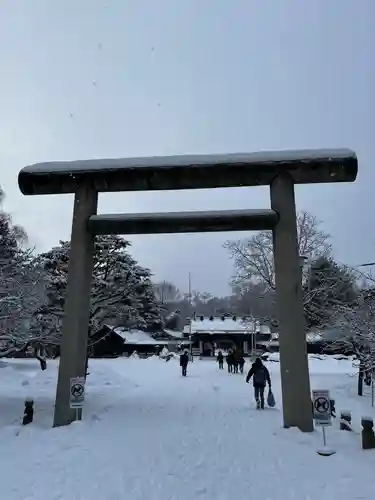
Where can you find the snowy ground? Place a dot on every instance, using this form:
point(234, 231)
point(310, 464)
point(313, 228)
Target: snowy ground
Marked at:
point(149, 434)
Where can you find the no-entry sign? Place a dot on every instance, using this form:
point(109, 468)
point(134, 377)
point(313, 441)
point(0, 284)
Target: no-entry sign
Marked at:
point(322, 408)
point(77, 392)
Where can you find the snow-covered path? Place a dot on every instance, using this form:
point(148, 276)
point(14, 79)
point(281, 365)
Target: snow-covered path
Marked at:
point(151, 434)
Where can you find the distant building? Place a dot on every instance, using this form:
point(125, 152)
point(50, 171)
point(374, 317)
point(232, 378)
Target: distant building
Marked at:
point(209, 334)
point(116, 341)
point(106, 343)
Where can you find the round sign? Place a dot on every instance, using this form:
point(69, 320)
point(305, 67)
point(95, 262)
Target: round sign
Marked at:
point(77, 390)
point(321, 405)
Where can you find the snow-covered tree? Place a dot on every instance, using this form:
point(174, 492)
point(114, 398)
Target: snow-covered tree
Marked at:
point(327, 288)
point(121, 292)
point(21, 287)
point(356, 326)
point(174, 321)
point(22, 292)
point(149, 310)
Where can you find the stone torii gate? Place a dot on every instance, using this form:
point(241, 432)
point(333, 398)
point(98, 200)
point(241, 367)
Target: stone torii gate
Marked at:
point(279, 170)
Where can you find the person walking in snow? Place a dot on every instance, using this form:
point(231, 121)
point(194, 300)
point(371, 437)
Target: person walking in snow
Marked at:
point(235, 363)
point(230, 361)
point(241, 363)
point(261, 377)
point(220, 360)
point(184, 360)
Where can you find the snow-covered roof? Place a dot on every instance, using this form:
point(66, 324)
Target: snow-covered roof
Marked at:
point(143, 338)
point(135, 336)
point(227, 325)
point(174, 333)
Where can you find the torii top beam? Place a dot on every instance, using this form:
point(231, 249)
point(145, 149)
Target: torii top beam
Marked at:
point(189, 171)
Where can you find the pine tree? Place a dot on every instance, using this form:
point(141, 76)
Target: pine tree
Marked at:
point(121, 290)
point(149, 308)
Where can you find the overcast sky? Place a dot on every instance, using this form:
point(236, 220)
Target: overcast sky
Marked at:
point(97, 79)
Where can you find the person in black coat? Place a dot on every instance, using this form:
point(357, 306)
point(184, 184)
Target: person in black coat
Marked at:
point(230, 361)
point(261, 377)
point(220, 360)
point(241, 363)
point(235, 363)
point(184, 360)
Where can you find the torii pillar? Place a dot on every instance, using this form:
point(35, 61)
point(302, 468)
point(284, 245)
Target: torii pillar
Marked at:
point(294, 369)
point(73, 349)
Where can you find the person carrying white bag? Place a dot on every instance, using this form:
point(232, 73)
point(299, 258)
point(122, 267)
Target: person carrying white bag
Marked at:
point(261, 377)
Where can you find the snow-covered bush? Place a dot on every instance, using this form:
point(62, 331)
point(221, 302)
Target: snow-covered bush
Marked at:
point(164, 352)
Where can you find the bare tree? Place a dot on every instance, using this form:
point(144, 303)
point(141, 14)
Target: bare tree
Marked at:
point(253, 257)
point(255, 300)
point(166, 292)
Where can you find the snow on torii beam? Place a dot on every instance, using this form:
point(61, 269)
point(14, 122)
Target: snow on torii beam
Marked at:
point(279, 170)
point(189, 172)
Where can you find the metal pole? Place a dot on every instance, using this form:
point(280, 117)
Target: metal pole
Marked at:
point(372, 393)
point(191, 315)
point(324, 436)
point(252, 338)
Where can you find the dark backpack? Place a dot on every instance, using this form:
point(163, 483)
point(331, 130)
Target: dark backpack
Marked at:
point(260, 376)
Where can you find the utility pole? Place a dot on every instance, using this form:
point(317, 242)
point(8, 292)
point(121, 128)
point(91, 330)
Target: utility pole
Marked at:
point(191, 316)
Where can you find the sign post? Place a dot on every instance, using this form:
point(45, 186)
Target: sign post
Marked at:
point(77, 394)
point(323, 417)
